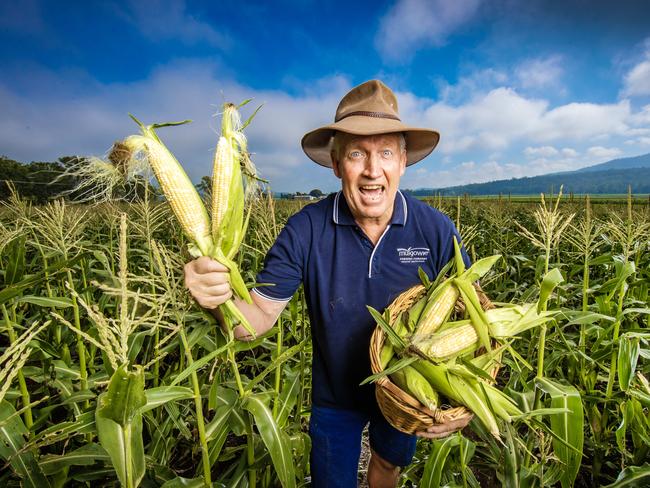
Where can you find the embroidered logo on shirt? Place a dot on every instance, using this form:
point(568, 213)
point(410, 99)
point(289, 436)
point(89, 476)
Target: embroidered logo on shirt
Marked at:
point(413, 254)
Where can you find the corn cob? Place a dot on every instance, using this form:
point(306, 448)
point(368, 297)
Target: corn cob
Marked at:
point(448, 343)
point(174, 183)
point(222, 171)
point(438, 309)
point(412, 382)
point(387, 350)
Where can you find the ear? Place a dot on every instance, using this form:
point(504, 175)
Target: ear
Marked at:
point(402, 163)
point(335, 166)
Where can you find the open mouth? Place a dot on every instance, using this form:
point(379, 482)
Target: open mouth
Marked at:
point(372, 192)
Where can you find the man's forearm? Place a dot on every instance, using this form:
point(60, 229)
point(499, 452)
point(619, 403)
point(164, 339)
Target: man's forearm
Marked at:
point(261, 315)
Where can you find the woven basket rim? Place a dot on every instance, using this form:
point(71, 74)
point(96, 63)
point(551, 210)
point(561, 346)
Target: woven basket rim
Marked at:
point(403, 411)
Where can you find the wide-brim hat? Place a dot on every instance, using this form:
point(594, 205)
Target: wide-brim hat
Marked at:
point(366, 110)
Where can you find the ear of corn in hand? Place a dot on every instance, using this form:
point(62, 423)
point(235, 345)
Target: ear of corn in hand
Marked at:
point(411, 381)
point(218, 237)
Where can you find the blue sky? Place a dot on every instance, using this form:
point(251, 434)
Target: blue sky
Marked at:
point(516, 88)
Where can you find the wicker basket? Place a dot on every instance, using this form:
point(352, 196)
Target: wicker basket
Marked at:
point(402, 411)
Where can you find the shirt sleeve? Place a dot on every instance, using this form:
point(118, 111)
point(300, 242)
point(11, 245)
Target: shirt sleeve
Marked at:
point(283, 265)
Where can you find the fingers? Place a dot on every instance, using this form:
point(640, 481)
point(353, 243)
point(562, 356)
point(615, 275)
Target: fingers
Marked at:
point(438, 431)
point(207, 281)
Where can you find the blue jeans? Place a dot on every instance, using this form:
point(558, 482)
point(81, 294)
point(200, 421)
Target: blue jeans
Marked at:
point(336, 445)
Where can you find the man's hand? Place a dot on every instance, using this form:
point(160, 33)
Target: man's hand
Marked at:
point(207, 281)
point(439, 431)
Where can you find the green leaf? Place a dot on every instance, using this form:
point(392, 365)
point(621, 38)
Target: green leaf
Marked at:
point(628, 355)
point(16, 289)
point(163, 394)
point(632, 476)
point(392, 336)
point(15, 269)
point(276, 441)
point(567, 426)
point(13, 434)
point(184, 483)
point(395, 366)
point(53, 302)
point(84, 456)
point(480, 268)
point(549, 282)
point(458, 258)
point(119, 424)
point(273, 365)
point(435, 465)
point(288, 397)
point(199, 363)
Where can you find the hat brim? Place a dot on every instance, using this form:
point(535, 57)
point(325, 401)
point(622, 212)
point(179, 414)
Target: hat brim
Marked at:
point(317, 144)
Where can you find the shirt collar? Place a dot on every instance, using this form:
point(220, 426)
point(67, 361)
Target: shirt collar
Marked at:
point(342, 215)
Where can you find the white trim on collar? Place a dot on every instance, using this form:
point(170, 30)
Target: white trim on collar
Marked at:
point(335, 210)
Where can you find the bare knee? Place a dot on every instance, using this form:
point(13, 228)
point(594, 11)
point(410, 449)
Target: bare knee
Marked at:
point(381, 473)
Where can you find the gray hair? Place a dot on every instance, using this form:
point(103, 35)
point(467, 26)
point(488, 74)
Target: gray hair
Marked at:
point(341, 139)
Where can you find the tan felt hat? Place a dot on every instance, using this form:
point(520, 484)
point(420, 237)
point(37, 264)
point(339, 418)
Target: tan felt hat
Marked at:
point(369, 109)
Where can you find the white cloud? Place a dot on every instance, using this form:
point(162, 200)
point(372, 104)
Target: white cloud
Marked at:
point(637, 80)
point(569, 152)
point(169, 19)
point(603, 153)
point(540, 72)
point(43, 125)
point(412, 24)
point(543, 151)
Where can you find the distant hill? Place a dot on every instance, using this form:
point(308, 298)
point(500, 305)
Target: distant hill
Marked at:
point(610, 177)
point(642, 161)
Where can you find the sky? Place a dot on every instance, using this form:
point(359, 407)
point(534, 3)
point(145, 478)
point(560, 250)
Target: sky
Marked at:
point(515, 88)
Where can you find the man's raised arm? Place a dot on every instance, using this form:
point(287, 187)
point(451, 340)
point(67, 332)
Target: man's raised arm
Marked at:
point(207, 281)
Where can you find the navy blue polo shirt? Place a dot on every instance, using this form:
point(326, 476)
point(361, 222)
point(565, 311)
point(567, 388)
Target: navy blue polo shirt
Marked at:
point(342, 271)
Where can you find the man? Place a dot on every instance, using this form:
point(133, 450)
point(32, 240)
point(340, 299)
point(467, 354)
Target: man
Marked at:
point(361, 246)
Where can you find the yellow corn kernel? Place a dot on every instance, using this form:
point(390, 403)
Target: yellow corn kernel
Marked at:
point(222, 171)
point(179, 191)
point(438, 310)
point(449, 343)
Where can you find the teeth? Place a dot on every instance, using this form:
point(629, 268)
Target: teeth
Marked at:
point(371, 187)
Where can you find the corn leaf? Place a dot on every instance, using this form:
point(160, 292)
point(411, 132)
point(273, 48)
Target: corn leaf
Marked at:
point(394, 367)
point(628, 355)
point(632, 476)
point(13, 435)
point(199, 363)
point(549, 282)
point(180, 482)
point(162, 394)
point(276, 441)
point(392, 336)
point(476, 313)
point(567, 426)
point(435, 465)
point(86, 455)
point(458, 258)
point(119, 424)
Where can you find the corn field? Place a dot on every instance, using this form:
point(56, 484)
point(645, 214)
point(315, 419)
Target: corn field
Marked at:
point(86, 289)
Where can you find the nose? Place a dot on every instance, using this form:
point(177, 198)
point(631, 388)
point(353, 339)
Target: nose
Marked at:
point(373, 166)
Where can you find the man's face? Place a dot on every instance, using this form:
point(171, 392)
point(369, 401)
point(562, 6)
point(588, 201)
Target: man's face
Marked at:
point(370, 168)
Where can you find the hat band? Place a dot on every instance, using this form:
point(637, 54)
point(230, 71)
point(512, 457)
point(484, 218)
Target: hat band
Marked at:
point(379, 115)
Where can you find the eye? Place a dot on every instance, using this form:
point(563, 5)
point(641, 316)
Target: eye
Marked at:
point(387, 153)
point(355, 154)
